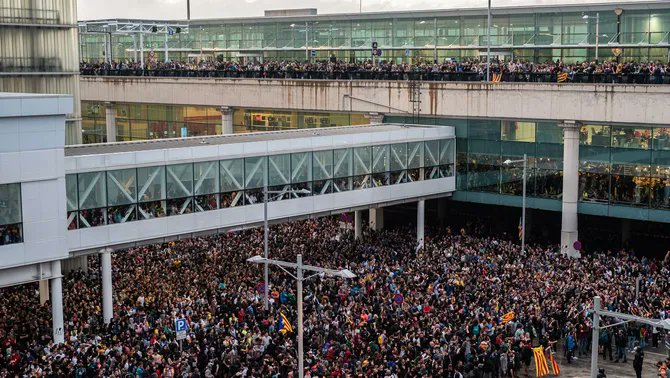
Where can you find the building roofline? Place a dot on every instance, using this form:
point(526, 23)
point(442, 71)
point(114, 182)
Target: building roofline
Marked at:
point(507, 10)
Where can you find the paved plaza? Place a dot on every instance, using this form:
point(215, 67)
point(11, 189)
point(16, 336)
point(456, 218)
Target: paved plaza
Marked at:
point(581, 368)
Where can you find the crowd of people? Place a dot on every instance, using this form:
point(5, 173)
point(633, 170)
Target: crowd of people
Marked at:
point(449, 70)
point(431, 311)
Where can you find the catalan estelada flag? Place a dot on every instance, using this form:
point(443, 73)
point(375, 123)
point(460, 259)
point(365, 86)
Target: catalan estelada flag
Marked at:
point(284, 324)
point(496, 78)
point(507, 317)
point(541, 368)
point(554, 364)
point(520, 229)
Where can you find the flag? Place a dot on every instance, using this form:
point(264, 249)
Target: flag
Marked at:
point(520, 229)
point(541, 368)
point(284, 324)
point(562, 77)
point(554, 364)
point(507, 317)
point(496, 78)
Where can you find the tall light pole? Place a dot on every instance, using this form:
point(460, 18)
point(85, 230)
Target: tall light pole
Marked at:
point(488, 44)
point(523, 199)
point(300, 268)
point(188, 10)
point(266, 231)
point(586, 17)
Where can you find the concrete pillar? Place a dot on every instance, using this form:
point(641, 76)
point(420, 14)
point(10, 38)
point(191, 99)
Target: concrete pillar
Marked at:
point(376, 219)
point(226, 120)
point(57, 303)
point(420, 220)
point(569, 233)
point(358, 224)
point(106, 274)
point(110, 122)
point(376, 118)
point(44, 291)
point(74, 264)
point(442, 211)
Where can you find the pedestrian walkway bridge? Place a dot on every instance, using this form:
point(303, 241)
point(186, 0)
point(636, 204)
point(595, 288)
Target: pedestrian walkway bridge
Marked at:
point(123, 194)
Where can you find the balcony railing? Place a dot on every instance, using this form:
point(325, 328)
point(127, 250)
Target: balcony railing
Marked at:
point(534, 77)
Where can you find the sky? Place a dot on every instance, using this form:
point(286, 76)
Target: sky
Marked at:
point(176, 9)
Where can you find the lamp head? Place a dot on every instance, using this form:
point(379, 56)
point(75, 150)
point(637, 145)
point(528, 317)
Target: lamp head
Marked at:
point(255, 259)
point(507, 162)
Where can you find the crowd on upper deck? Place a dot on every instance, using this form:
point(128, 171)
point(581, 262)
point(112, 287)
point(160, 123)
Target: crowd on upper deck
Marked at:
point(449, 70)
point(447, 322)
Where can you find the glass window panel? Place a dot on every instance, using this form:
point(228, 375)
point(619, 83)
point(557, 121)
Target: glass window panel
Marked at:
point(232, 175)
point(380, 158)
point(71, 192)
point(661, 138)
point(179, 180)
point(279, 170)
point(343, 166)
point(447, 153)
point(150, 184)
point(630, 184)
point(121, 187)
point(301, 167)
point(92, 193)
point(628, 155)
point(398, 156)
point(631, 137)
point(10, 204)
point(362, 160)
point(322, 165)
point(414, 155)
point(255, 171)
point(431, 153)
point(518, 131)
point(594, 181)
point(548, 132)
point(484, 172)
point(594, 135)
point(484, 129)
point(206, 177)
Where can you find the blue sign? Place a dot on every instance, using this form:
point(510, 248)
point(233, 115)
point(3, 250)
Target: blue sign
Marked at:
point(408, 52)
point(184, 132)
point(577, 245)
point(398, 298)
point(180, 325)
point(170, 31)
point(313, 53)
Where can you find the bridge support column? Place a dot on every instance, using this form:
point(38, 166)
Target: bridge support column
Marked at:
point(377, 219)
point(226, 120)
point(44, 291)
point(358, 224)
point(110, 122)
point(376, 118)
point(569, 230)
point(420, 219)
point(106, 274)
point(57, 303)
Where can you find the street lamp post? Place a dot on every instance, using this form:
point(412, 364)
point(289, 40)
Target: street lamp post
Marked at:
point(523, 199)
point(300, 269)
point(266, 300)
point(587, 17)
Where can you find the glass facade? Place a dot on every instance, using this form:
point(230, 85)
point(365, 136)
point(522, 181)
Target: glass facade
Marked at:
point(125, 195)
point(11, 227)
point(619, 165)
point(540, 35)
point(155, 121)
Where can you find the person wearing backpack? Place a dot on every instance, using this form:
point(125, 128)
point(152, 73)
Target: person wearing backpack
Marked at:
point(606, 341)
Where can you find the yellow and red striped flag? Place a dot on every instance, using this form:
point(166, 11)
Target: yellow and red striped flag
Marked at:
point(562, 77)
point(541, 368)
point(507, 317)
point(554, 364)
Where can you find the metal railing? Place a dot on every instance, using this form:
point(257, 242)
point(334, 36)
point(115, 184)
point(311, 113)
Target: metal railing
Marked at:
point(29, 16)
point(534, 77)
point(8, 65)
